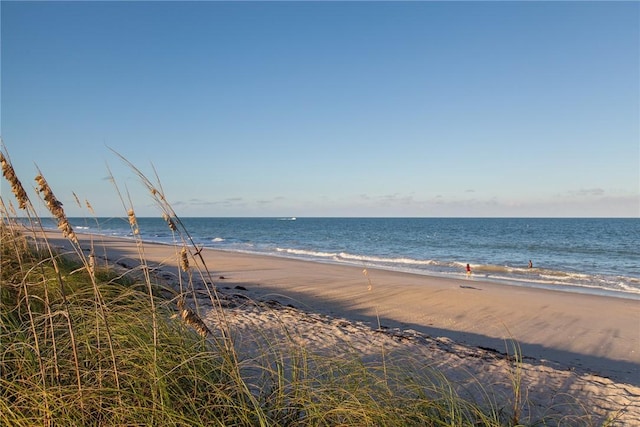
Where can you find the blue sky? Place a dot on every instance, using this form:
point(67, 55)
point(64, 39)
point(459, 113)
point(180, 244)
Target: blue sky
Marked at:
point(328, 109)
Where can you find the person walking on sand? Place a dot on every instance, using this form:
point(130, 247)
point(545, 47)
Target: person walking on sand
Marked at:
point(468, 270)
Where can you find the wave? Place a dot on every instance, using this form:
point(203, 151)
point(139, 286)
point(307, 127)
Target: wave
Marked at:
point(556, 270)
point(553, 279)
point(344, 256)
point(307, 253)
point(375, 259)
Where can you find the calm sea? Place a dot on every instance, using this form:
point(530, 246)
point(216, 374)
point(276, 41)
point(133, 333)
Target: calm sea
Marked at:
point(576, 255)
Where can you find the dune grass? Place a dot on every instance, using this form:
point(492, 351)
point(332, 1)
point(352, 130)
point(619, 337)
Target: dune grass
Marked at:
point(77, 354)
point(89, 344)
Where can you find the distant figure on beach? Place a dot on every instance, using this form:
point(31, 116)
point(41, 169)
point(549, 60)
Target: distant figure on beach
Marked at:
point(468, 270)
point(530, 264)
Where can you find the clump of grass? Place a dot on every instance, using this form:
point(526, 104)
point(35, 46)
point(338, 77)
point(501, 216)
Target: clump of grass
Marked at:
point(135, 386)
point(82, 344)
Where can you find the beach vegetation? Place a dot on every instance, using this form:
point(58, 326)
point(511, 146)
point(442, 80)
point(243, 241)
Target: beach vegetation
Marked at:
point(87, 341)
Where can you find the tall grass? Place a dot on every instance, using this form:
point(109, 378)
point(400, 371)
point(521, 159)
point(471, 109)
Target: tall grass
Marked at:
point(83, 342)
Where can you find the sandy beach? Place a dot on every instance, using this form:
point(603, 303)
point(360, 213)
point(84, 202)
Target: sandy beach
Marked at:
point(575, 347)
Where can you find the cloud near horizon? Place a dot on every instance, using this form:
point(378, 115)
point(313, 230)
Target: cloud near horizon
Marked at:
point(589, 192)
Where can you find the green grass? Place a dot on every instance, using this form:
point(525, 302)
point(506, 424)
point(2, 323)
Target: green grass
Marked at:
point(82, 344)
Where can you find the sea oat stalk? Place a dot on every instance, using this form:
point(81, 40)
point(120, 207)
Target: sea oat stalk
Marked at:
point(170, 222)
point(192, 319)
point(55, 207)
point(16, 186)
point(184, 259)
point(133, 222)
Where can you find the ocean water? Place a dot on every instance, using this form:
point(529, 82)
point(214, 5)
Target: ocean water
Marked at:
point(576, 255)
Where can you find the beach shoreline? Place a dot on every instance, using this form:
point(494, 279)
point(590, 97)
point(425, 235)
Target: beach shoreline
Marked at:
point(587, 342)
point(458, 308)
point(497, 250)
point(566, 288)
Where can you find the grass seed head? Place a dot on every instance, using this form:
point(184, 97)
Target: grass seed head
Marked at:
point(92, 263)
point(172, 225)
point(133, 222)
point(156, 194)
point(55, 207)
point(184, 259)
point(192, 319)
point(16, 186)
point(366, 274)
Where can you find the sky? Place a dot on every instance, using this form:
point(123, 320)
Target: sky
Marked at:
point(374, 109)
